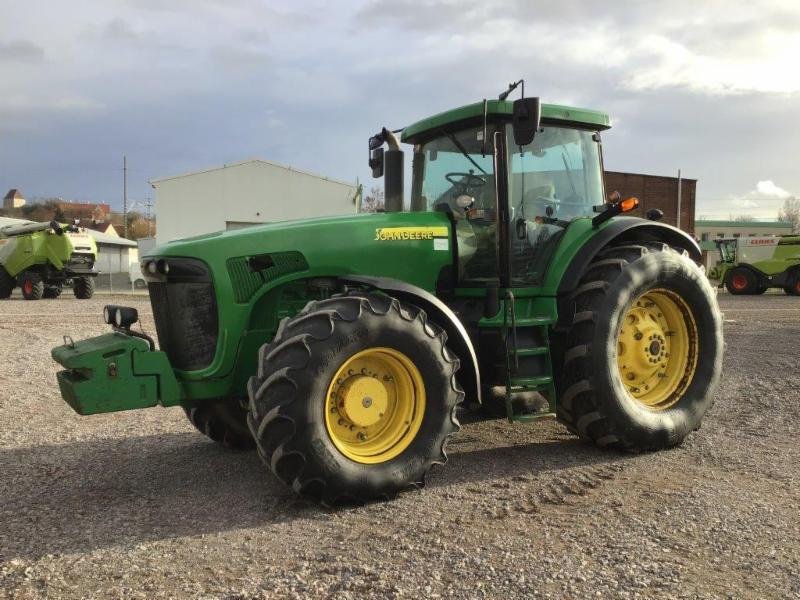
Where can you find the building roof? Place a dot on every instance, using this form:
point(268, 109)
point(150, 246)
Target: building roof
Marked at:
point(14, 194)
point(742, 224)
point(495, 108)
point(240, 163)
point(100, 238)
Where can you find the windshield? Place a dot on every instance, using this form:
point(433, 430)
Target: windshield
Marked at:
point(727, 250)
point(553, 180)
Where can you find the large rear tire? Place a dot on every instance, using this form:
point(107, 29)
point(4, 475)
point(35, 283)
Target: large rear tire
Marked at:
point(354, 399)
point(83, 287)
point(644, 352)
point(223, 422)
point(7, 283)
point(32, 285)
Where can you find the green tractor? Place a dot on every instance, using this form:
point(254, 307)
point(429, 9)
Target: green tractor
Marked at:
point(342, 347)
point(751, 265)
point(41, 258)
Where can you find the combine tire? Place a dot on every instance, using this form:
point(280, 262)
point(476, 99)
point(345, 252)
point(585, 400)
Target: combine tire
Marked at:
point(53, 290)
point(224, 422)
point(6, 283)
point(32, 285)
point(793, 285)
point(741, 281)
point(354, 399)
point(83, 287)
point(644, 352)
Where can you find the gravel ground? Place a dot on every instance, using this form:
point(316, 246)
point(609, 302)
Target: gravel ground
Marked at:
point(139, 505)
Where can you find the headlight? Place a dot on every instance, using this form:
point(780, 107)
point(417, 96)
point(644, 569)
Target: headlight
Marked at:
point(120, 316)
point(152, 268)
point(125, 316)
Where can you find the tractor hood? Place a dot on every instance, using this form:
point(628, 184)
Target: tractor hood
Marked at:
point(413, 247)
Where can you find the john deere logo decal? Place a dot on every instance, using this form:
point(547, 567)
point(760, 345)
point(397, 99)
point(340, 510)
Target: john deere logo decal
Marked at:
point(384, 234)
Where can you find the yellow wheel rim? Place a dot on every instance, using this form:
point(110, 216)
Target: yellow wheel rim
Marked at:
point(657, 349)
point(375, 405)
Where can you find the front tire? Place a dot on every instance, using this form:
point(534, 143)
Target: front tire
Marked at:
point(32, 285)
point(740, 282)
point(53, 290)
point(83, 287)
point(644, 352)
point(224, 422)
point(792, 287)
point(354, 399)
point(7, 283)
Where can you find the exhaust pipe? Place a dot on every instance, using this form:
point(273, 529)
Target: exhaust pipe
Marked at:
point(388, 163)
point(393, 174)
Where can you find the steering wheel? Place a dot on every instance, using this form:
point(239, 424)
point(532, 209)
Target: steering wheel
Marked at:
point(466, 181)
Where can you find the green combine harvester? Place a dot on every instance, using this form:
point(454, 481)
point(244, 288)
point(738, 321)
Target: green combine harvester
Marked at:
point(41, 258)
point(341, 347)
point(752, 265)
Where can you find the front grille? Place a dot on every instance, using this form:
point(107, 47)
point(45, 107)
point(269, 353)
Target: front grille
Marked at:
point(185, 312)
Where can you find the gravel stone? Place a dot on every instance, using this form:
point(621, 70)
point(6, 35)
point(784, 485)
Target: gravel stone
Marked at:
point(139, 505)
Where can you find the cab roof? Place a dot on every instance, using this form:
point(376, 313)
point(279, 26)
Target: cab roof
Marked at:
point(553, 113)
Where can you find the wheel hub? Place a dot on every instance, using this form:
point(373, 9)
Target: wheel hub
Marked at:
point(363, 400)
point(657, 348)
point(375, 405)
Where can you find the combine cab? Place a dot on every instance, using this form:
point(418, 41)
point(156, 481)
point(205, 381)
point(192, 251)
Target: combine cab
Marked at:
point(41, 258)
point(341, 348)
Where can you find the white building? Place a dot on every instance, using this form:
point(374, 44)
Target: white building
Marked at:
point(244, 193)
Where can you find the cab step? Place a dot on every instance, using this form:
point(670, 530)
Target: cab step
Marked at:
point(537, 351)
point(531, 383)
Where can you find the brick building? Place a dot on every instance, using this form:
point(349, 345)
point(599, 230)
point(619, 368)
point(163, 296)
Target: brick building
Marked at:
point(657, 191)
point(85, 211)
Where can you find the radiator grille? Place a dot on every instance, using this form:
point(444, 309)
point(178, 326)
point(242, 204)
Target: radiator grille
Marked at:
point(187, 323)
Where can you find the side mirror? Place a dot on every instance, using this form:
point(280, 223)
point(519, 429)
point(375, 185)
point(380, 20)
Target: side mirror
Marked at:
point(376, 161)
point(525, 120)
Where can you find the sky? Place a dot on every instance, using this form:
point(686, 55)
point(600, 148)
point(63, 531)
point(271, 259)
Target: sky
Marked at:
point(711, 88)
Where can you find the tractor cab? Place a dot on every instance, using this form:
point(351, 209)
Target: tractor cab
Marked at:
point(511, 176)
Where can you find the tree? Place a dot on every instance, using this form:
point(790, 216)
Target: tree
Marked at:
point(790, 213)
point(744, 218)
point(374, 201)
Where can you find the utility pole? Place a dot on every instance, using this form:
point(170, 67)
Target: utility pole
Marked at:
point(125, 196)
point(678, 216)
point(148, 205)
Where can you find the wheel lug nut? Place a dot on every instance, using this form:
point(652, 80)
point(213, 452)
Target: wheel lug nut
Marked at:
point(362, 436)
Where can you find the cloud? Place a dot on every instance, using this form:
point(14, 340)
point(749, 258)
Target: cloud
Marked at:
point(21, 51)
point(768, 189)
point(709, 47)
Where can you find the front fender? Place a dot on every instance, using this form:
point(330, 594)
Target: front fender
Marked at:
point(457, 338)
